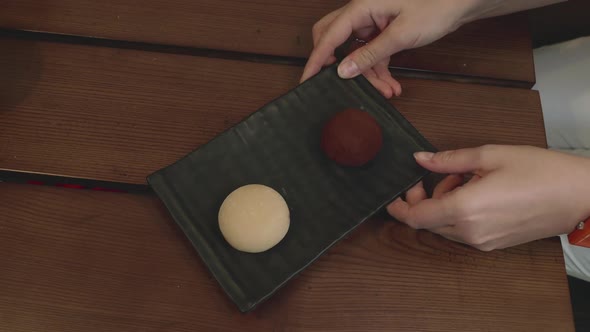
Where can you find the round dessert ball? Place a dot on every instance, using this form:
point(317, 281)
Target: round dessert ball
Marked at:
point(254, 218)
point(352, 138)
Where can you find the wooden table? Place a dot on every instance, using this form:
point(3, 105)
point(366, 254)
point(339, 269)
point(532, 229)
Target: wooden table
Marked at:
point(98, 95)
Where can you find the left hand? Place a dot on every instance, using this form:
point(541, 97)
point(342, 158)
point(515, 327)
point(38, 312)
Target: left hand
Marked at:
point(396, 25)
point(517, 194)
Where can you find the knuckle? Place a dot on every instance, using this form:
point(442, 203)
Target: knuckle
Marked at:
point(464, 211)
point(469, 223)
point(368, 56)
point(354, 6)
point(484, 247)
point(474, 239)
point(472, 235)
point(445, 156)
point(463, 207)
point(489, 152)
point(404, 41)
point(489, 148)
point(413, 222)
point(316, 29)
point(356, 3)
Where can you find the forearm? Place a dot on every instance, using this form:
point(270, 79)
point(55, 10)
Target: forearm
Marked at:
point(481, 9)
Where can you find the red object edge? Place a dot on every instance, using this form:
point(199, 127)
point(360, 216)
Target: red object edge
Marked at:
point(581, 237)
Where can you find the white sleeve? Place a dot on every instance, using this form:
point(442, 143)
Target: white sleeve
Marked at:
point(563, 80)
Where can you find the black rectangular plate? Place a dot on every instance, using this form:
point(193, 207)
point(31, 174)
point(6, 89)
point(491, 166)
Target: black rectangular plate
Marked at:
point(278, 146)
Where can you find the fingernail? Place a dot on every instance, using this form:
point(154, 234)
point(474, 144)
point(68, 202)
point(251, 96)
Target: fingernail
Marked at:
point(348, 69)
point(424, 156)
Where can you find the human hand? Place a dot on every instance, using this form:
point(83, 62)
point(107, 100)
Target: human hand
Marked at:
point(517, 194)
point(400, 24)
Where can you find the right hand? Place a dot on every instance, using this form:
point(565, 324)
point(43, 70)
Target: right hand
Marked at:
point(400, 24)
point(516, 194)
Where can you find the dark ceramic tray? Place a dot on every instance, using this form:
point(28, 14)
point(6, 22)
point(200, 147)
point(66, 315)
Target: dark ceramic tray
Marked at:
point(279, 146)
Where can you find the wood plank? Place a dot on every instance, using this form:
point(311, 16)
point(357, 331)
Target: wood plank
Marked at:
point(77, 261)
point(497, 48)
point(118, 115)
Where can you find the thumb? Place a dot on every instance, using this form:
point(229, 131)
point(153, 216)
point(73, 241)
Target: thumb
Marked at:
point(453, 161)
point(388, 42)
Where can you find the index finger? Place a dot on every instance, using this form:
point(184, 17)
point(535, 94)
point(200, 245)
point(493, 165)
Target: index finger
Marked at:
point(426, 214)
point(335, 34)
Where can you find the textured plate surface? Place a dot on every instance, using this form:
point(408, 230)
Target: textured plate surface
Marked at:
point(279, 146)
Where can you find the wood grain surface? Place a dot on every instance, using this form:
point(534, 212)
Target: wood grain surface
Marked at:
point(118, 115)
point(496, 48)
point(76, 260)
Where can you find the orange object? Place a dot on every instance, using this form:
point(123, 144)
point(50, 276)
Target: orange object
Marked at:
point(581, 235)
